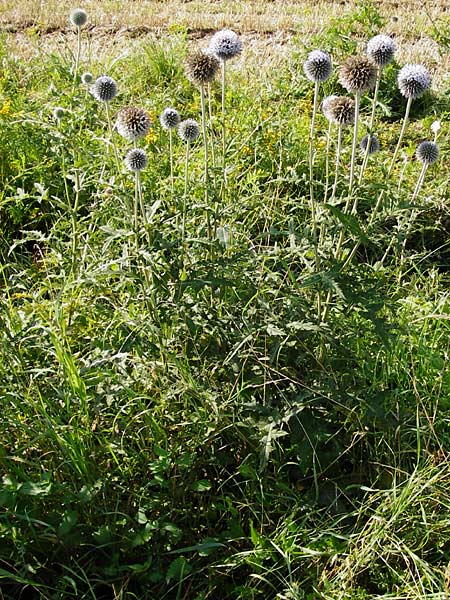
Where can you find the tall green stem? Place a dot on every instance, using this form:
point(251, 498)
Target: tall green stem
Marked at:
point(400, 138)
point(186, 171)
point(371, 124)
point(338, 158)
point(116, 155)
point(171, 160)
point(311, 188)
point(327, 161)
point(224, 140)
point(206, 160)
point(77, 58)
point(354, 144)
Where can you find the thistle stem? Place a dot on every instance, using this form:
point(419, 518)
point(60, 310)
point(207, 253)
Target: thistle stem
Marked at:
point(186, 167)
point(327, 162)
point(213, 152)
point(116, 155)
point(171, 160)
point(136, 210)
point(371, 123)
point(224, 140)
point(354, 144)
point(419, 182)
point(402, 131)
point(77, 58)
point(338, 156)
point(311, 188)
point(205, 146)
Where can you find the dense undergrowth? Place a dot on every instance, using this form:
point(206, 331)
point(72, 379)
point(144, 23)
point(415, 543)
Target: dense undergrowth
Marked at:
point(177, 421)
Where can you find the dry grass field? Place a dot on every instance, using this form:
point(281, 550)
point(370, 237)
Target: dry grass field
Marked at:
point(268, 26)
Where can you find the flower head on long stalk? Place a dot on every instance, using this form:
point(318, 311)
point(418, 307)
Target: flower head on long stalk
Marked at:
point(318, 66)
point(104, 89)
point(136, 159)
point(413, 80)
point(201, 67)
point(225, 44)
point(169, 118)
point(133, 123)
point(381, 49)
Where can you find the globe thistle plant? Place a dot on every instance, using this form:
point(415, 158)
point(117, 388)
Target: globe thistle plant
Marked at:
point(77, 18)
point(169, 119)
point(225, 45)
point(188, 130)
point(201, 69)
point(324, 107)
point(104, 89)
point(358, 75)
point(133, 123)
point(427, 153)
point(380, 49)
point(317, 68)
point(135, 161)
point(341, 111)
point(413, 80)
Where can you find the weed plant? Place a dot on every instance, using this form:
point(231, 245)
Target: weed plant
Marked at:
point(178, 418)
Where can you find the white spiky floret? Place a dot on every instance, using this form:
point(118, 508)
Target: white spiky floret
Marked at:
point(169, 118)
point(104, 88)
point(381, 49)
point(136, 160)
point(318, 66)
point(225, 44)
point(413, 80)
point(188, 130)
point(427, 152)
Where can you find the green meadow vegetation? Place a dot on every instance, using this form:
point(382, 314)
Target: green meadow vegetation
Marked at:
point(224, 359)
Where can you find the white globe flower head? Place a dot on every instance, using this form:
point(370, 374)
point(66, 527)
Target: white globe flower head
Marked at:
point(225, 44)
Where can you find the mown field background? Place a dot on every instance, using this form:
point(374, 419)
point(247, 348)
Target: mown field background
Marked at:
point(177, 421)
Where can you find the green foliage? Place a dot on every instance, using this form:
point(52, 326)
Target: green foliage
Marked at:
point(177, 418)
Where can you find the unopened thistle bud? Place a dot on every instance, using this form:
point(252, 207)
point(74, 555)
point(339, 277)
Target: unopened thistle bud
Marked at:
point(357, 74)
point(381, 49)
point(87, 78)
point(169, 118)
point(201, 67)
point(317, 66)
point(413, 80)
point(133, 123)
point(374, 144)
point(78, 17)
point(136, 160)
point(188, 130)
point(225, 44)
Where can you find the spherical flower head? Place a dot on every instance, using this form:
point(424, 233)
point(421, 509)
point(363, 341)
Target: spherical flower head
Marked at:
point(201, 67)
point(317, 66)
point(381, 49)
point(326, 104)
point(188, 130)
point(78, 17)
point(58, 113)
point(136, 160)
point(374, 144)
point(104, 89)
point(133, 123)
point(169, 118)
point(225, 44)
point(413, 80)
point(87, 78)
point(357, 74)
point(341, 110)
point(427, 153)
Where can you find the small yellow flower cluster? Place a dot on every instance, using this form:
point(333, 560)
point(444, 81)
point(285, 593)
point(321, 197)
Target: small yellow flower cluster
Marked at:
point(5, 110)
point(151, 136)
